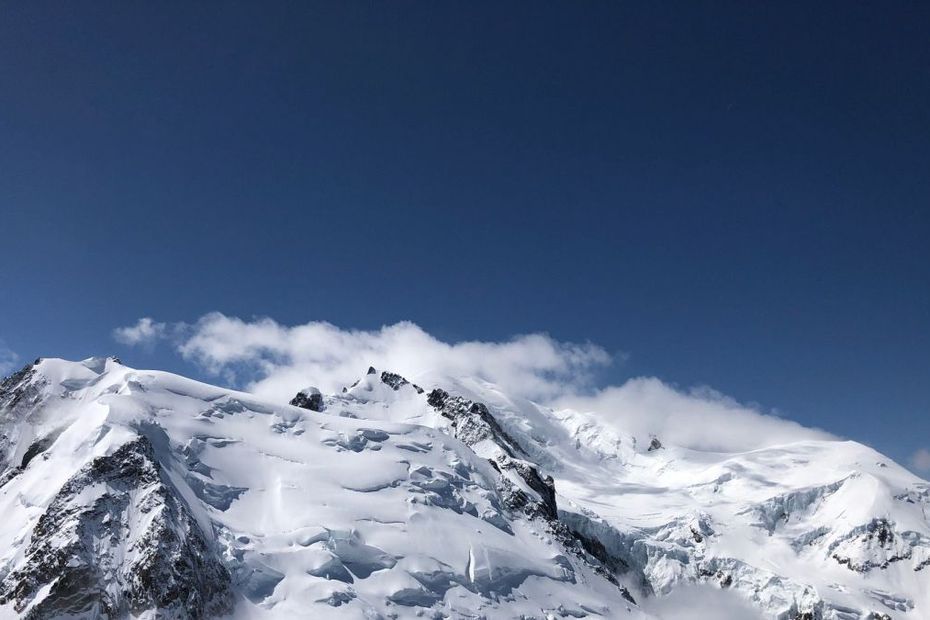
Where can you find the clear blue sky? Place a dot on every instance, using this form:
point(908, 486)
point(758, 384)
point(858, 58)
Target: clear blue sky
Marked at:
point(737, 196)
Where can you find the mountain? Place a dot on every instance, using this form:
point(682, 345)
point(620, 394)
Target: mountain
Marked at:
point(130, 493)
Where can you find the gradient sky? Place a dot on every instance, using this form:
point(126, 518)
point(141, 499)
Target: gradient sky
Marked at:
point(736, 196)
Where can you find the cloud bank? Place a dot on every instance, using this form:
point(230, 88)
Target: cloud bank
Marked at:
point(275, 361)
point(699, 418)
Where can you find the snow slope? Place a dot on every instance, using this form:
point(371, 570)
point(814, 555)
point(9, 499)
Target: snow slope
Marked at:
point(117, 482)
point(813, 529)
point(140, 493)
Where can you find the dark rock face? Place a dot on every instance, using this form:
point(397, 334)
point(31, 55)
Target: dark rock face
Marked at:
point(655, 444)
point(19, 395)
point(118, 540)
point(544, 487)
point(18, 389)
point(37, 447)
point(879, 539)
point(472, 422)
point(312, 401)
point(395, 381)
point(881, 531)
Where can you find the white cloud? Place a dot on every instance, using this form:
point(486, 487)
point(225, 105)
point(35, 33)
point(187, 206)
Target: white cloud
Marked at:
point(285, 359)
point(144, 332)
point(700, 418)
point(8, 360)
point(275, 361)
point(920, 460)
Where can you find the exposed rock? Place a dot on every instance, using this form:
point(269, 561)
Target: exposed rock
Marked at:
point(18, 389)
point(20, 394)
point(395, 381)
point(37, 447)
point(310, 398)
point(876, 545)
point(156, 557)
point(544, 487)
point(473, 423)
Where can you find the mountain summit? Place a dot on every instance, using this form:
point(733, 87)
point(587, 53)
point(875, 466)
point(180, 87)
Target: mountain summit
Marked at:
point(130, 493)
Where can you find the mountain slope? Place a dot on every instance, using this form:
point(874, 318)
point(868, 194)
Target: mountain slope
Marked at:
point(814, 529)
point(126, 492)
point(142, 493)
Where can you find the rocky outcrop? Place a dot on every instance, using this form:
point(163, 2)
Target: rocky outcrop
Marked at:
point(395, 381)
point(20, 394)
point(473, 423)
point(118, 540)
point(310, 398)
point(18, 389)
point(876, 545)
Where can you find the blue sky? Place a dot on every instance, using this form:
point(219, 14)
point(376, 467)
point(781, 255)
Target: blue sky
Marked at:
point(736, 196)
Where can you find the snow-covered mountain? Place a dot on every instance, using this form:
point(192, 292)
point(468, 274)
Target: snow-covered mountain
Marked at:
point(144, 494)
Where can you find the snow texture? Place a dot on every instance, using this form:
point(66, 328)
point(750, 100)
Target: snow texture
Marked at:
point(144, 494)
